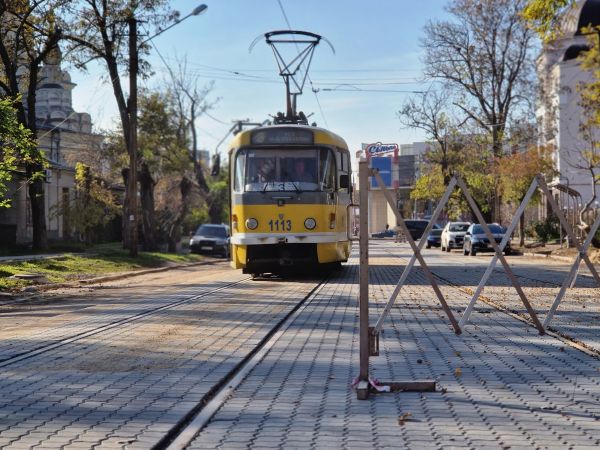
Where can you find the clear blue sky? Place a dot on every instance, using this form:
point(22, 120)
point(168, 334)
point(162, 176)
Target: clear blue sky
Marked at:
point(376, 48)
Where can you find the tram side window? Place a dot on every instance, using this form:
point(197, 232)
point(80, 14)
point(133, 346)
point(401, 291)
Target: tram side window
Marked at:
point(344, 164)
point(240, 164)
point(327, 166)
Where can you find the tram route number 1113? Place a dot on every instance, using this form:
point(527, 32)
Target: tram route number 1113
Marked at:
point(280, 225)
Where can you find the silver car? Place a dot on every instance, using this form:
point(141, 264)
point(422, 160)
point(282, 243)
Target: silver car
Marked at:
point(453, 235)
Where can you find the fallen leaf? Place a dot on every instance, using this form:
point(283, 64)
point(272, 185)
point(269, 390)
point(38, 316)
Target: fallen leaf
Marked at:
point(403, 418)
point(458, 372)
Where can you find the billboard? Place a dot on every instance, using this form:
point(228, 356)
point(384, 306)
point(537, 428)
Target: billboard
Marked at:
point(378, 148)
point(385, 170)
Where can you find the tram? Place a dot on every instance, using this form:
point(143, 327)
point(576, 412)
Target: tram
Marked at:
point(290, 190)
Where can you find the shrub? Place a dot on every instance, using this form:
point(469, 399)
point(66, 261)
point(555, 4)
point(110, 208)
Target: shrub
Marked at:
point(548, 229)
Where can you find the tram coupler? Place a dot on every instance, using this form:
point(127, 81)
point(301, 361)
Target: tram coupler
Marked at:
point(373, 342)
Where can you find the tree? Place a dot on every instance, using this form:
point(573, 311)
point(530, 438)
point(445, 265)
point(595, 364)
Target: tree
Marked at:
point(545, 16)
point(17, 147)
point(473, 164)
point(98, 30)
point(192, 102)
point(163, 155)
point(517, 172)
point(429, 112)
point(93, 205)
point(28, 34)
point(484, 59)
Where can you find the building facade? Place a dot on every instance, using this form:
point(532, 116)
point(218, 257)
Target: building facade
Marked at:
point(559, 114)
point(66, 137)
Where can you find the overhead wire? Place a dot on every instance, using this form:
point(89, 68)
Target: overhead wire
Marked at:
point(171, 73)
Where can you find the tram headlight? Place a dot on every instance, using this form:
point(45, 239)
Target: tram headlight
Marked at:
point(310, 223)
point(251, 223)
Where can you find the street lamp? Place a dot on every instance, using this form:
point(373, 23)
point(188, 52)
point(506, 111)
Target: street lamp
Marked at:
point(132, 110)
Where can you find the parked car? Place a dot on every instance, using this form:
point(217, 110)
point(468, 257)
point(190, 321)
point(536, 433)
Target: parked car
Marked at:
point(416, 227)
point(435, 238)
point(477, 241)
point(383, 234)
point(211, 238)
point(453, 235)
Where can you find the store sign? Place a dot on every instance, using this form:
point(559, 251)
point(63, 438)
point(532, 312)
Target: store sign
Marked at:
point(379, 148)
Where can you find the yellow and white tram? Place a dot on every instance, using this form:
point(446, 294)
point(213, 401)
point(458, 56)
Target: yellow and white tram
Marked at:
point(290, 189)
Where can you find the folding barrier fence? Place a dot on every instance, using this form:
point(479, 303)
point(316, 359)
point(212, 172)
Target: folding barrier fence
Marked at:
point(369, 336)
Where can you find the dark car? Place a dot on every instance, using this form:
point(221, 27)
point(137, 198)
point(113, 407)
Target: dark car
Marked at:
point(383, 234)
point(211, 238)
point(477, 241)
point(416, 227)
point(434, 239)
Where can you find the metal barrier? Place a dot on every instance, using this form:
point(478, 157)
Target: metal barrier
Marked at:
point(369, 336)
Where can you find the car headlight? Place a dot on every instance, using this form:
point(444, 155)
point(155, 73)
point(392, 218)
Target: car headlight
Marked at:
point(310, 223)
point(192, 241)
point(251, 223)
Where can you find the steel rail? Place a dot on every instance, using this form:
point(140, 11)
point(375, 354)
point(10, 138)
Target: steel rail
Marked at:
point(185, 431)
point(117, 323)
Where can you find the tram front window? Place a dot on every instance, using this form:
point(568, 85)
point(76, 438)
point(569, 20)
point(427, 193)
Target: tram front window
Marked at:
point(284, 170)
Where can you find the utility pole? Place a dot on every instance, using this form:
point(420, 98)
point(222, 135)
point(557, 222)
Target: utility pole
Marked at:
point(132, 109)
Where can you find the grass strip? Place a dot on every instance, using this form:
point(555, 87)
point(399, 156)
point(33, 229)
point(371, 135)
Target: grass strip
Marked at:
point(97, 261)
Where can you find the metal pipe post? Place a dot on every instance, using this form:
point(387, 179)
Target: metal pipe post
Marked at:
point(132, 185)
point(363, 271)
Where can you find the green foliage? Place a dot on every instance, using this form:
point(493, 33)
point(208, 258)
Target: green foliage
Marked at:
point(516, 172)
point(17, 148)
point(430, 185)
point(102, 259)
point(92, 207)
point(544, 16)
point(473, 163)
point(548, 229)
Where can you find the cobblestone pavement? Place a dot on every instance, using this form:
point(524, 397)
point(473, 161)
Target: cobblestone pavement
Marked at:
point(500, 384)
point(128, 385)
point(49, 317)
point(578, 315)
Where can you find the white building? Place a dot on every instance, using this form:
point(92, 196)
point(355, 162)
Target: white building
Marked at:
point(66, 137)
point(559, 114)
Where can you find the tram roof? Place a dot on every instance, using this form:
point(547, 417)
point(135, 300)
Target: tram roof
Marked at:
point(321, 135)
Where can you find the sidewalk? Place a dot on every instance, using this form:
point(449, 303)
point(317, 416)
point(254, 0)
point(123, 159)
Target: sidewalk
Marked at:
point(500, 384)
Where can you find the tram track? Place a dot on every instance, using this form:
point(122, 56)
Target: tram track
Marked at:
point(183, 433)
point(29, 353)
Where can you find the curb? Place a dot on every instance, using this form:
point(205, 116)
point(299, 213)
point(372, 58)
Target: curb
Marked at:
point(555, 257)
point(542, 255)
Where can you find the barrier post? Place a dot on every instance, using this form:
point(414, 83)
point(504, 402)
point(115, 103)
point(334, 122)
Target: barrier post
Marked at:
point(362, 389)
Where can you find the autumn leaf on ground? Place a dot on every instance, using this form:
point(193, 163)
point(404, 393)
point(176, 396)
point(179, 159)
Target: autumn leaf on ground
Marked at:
point(403, 418)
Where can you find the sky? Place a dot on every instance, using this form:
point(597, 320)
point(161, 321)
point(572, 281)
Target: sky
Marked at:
point(360, 87)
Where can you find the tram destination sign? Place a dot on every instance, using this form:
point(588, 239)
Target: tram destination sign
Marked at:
point(380, 149)
point(282, 135)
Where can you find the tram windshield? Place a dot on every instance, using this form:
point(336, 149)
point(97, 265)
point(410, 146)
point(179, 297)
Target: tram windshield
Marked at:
point(270, 170)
